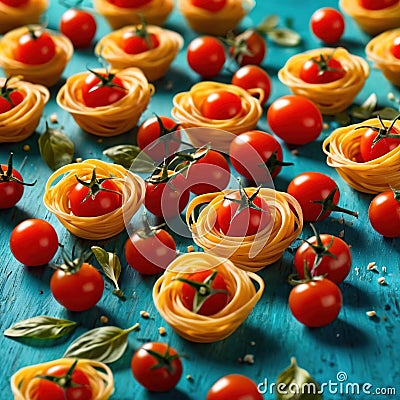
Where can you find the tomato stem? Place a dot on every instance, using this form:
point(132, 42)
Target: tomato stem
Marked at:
point(7, 175)
point(163, 360)
point(72, 265)
point(274, 163)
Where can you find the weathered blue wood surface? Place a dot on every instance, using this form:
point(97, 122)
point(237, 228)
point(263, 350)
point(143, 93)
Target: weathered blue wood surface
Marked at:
point(367, 350)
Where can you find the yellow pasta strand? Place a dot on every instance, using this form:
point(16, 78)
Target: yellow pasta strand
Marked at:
point(21, 121)
point(24, 383)
point(251, 253)
point(154, 62)
point(47, 74)
point(199, 328)
point(105, 226)
point(342, 147)
point(332, 97)
point(154, 13)
point(114, 119)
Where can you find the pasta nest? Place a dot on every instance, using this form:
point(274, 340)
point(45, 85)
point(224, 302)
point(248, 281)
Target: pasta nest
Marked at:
point(372, 21)
point(378, 50)
point(115, 118)
point(21, 121)
point(215, 23)
point(154, 13)
point(187, 110)
point(332, 97)
point(154, 62)
point(243, 296)
point(251, 253)
point(47, 74)
point(342, 147)
point(13, 17)
point(61, 182)
point(24, 383)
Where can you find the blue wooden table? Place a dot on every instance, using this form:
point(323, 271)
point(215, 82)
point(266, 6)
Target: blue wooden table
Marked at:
point(353, 349)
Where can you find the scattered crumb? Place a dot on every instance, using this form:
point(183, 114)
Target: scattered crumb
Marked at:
point(53, 118)
point(372, 266)
point(26, 147)
point(162, 331)
point(325, 125)
point(252, 343)
point(190, 249)
point(40, 291)
point(382, 280)
point(384, 269)
point(248, 358)
point(78, 159)
point(341, 220)
point(357, 270)
point(338, 335)
point(189, 378)
point(371, 313)
point(168, 85)
point(390, 96)
point(341, 234)
point(144, 314)
point(103, 319)
point(99, 140)
point(295, 152)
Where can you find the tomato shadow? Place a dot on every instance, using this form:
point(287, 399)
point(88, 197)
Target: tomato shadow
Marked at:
point(355, 297)
point(175, 394)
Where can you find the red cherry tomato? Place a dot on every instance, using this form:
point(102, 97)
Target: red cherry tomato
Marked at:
point(9, 97)
point(156, 366)
point(249, 48)
point(384, 213)
point(327, 24)
point(102, 92)
point(150, 253)
point(222, 104)
point(209, 5)
point(130, 3)
point(315, 303)
point(395, 49)
point(256, 155)
point(78, 389)
point(14, 3)
point(206, 56)
point(322, 69)
point(35, 48)
point(377, 4)
point(234, 387)
point(34, 242)
point(209, 174)
point(79, 26)
point(253, 77)
point(295, 119)
point(77, 291)
point(135, 43)
point(208, 303)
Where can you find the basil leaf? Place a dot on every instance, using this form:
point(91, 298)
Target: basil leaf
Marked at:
point(386, 113)
point(127, 154)
point(41, 327)
point(295, 383)
point(111, 266)
point(56, 148)
point(105, 344)
point(343, 118)
point(365, 110)
point(268, 24)
point(285, 37)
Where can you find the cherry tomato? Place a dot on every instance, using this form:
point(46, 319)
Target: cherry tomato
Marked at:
point(9, 97)
point(256, 155)
point(331, 253)
point(77, 289)
point(159, 137)
point(101, 90)
point(315, 303)
point(395, 48)
point(156, 366)
point(209, 174)
point(384, 213)
point(78, 388)
point(35, 47)
point(15, 3)
point(248, 48)
point(234, 387)
point(222, 104)
point(295, 119)
point(79, 26)
point(139, 41)
point(377, 4)
point(130, 3)
point(327, 24)
point(210, 5)
point(94, 200)
point(34, 242)
point(250, 220)
point(202, 299)
point(322, 69)
point(206, 56)
point(253, 77)
point(150, 252)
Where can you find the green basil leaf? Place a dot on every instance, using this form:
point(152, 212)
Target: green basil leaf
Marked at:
point(105, 344)
point(56, 148)
point(295, 383)
point(268, 24)
point(285, 37)
point(386, 113)
point(127, 154)
point(343, 118)
point(41, 327)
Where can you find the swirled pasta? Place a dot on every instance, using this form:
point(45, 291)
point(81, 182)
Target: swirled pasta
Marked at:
point(13, 17)
point(25, 382)
point(372, 21)
point(342, 148)
point(61, 182)
point(154, 13)
point(332, 97)
point(251, 253)
point(47, 74)
point(21, 121)
point(243, 296)
point(114, 119)
point(154, 62)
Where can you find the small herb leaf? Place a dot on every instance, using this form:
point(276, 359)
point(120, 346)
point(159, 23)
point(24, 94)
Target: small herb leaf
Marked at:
point(386, 113)
point(268, 24)
point(285, 37)
point(126, 154)
point(41, 327)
